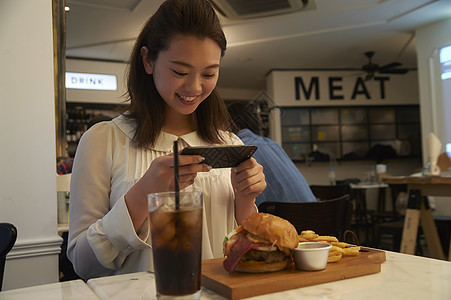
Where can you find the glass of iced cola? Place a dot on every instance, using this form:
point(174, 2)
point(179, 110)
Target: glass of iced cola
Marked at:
point(176, 232)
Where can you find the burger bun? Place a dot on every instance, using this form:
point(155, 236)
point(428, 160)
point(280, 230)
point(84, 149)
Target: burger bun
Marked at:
point(261, 267)
point(273, 229)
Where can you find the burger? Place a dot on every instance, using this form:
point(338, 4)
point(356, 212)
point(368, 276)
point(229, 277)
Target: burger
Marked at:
point(261, 244)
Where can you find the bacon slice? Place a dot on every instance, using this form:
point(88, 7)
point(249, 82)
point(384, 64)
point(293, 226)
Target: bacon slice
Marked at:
point(237, 250)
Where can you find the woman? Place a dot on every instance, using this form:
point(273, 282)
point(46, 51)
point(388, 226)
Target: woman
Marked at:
point(172, 77)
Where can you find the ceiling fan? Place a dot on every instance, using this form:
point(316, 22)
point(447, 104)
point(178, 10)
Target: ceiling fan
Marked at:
point(370, 68)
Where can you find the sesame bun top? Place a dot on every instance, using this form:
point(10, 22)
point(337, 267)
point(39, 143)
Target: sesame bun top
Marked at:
point(274, 229)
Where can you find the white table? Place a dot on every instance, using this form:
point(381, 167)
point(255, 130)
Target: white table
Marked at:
point(75, 289)
point(402, 276)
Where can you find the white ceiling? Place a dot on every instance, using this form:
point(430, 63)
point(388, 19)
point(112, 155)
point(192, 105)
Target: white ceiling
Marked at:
point(333, 36)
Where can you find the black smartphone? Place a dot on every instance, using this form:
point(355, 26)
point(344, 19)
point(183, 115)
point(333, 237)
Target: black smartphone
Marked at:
point(222, 156)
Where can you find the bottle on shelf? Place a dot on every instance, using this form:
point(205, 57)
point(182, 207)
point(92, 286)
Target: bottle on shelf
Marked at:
point(332, 178)
point(373, 175)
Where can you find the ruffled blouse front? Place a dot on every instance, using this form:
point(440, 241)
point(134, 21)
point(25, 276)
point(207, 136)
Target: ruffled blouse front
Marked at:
point(102, 240)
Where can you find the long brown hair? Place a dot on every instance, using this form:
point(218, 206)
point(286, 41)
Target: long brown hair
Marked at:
point(147, 108)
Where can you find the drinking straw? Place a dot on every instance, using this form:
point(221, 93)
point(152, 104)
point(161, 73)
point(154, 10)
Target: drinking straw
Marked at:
point(176, 176)
point(177, 207)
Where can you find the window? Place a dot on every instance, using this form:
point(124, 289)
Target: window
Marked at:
point(347, 133)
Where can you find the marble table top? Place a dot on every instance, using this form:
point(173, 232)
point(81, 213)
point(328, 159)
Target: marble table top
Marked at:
point(75, 289)
point(402, 276)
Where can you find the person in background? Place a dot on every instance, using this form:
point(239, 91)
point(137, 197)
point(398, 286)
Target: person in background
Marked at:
point(64, 166)
point(172, 77)
point(285, 182)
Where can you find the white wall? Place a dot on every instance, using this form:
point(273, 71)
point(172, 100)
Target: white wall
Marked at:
point(428, 39)
point(27, 135)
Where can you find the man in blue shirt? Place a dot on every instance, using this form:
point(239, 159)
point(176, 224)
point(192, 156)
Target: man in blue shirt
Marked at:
point(285, 182)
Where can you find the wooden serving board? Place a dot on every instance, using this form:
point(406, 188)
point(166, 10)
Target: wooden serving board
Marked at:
point(241, 285)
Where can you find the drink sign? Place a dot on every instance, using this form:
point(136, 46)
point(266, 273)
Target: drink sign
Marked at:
point(91, 81)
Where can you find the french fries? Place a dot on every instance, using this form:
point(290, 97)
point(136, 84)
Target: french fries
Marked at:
point(334, 256)
point(309, 235)
point(338, 250)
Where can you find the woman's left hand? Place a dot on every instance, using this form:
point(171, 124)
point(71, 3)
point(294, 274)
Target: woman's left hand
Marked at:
point(248, 182)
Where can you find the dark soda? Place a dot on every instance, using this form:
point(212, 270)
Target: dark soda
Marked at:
point(177, 245)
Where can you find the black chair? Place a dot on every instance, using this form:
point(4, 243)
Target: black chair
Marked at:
point(328, 217)
point(8, 236)
point(388, 224)
point(327, 192)
point(382, 215)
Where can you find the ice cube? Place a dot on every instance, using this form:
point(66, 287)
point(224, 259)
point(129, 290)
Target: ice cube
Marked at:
point(161, 218)
point(165, 237)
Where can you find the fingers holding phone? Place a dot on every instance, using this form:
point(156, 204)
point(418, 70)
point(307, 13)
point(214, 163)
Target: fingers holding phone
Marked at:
point(163, 169)
point(248, 179)
point(189, 166)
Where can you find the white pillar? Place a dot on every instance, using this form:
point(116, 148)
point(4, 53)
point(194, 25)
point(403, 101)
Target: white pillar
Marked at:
point(429, 39)
point(27, 141)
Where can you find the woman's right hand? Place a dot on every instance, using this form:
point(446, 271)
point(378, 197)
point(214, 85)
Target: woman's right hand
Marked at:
point(160, 175)
point(160, 178)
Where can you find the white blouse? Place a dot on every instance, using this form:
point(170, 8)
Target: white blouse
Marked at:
point(107, 164)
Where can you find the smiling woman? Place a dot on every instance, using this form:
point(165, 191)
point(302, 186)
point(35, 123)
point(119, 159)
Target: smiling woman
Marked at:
point(171, 41)
point(184, 76)
point(174, 68)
